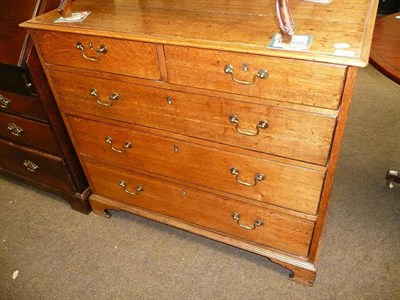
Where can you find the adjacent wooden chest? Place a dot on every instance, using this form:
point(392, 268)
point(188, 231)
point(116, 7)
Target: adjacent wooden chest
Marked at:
point(34, 144)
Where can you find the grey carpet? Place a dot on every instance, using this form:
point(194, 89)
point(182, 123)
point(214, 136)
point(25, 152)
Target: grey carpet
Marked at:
point(62, 254)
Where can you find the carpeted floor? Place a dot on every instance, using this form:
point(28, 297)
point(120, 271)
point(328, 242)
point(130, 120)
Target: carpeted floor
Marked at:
point(62, 254)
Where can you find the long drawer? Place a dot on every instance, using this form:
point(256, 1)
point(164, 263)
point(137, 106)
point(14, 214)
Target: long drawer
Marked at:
point(27, 106)
point(28, 132)
point(289, 80)
point(283, 132)
point(286, 185)
point(271, 227)
point(35, 165)
point(123, 57)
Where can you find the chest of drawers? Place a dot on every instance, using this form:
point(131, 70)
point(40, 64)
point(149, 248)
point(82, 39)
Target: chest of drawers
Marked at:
point(181, 116)
point(34, 145)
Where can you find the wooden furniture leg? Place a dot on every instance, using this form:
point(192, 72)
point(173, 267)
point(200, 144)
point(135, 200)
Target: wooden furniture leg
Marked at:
point(301, 275)
point(100, 208)
point(391, 177)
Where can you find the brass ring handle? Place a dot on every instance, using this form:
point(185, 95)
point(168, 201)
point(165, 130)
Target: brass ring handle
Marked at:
point(262, 74)
point(4, 102)
point(138, 189)
point(114, 97)
point(101, 50)
point(259, 177)
point(261, 125)
point(126, 145)
point(257, 222)
point(32, 167)
point(14, 129)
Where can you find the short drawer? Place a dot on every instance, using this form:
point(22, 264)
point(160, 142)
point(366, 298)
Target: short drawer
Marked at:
point(283, 132)
point(22, 105)
point(289, 80)
point(286, 185)
point(274, 229)
point(35, 165)
point(27, 132)
point(123, 57)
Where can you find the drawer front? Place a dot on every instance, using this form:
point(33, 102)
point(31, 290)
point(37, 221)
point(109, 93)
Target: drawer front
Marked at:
point(121, 56)
point(289, 80)
point(16, 80)
point(295, 134)
point(27, 132)
point(35, 165)
point(22, 105)
point(279, 230)
point(284, 185)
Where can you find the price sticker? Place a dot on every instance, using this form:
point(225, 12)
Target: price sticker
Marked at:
point(298, 43)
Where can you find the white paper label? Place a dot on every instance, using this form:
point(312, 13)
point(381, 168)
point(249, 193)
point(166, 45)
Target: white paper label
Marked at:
point(298, 43)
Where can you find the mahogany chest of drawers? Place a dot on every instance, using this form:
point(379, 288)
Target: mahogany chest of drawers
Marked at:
point(182, 116)
point(34, 145)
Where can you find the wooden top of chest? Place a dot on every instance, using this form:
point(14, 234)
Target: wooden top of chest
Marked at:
point(341, 30)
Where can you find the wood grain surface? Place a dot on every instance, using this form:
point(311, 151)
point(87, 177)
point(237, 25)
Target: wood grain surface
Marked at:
point(385, 50)
point(216, 25)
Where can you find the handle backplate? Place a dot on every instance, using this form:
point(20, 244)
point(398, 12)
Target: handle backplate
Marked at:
point(30, 166)
point(4, 102)
point(14, 129)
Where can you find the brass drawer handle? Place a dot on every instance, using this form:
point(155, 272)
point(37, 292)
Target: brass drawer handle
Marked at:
point(114, 97)
point(126, 145)
point(138, 189)
point(261, 125)
point(257, 222)
point(101, 50)
point(259, 177)
point(32, 167)
point(4, 102)
point(262, 74)
point(14, 129)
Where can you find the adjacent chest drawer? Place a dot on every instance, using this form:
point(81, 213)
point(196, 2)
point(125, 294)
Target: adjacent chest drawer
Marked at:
point(28, 132)
point(16, 80)
point(35, 165)
point(256, 178)
point(22, 105)
point(271, 228)
point(283, 132)
point(289, 80)
point(123, 57)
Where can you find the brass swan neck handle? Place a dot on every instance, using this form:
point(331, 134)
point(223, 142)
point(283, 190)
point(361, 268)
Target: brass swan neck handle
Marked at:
point(285, 20)
point(65, 8)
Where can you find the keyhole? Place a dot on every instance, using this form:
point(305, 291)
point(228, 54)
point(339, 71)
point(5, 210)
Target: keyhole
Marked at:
point(169, 100)
point(176, 149)
point(245, 67)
